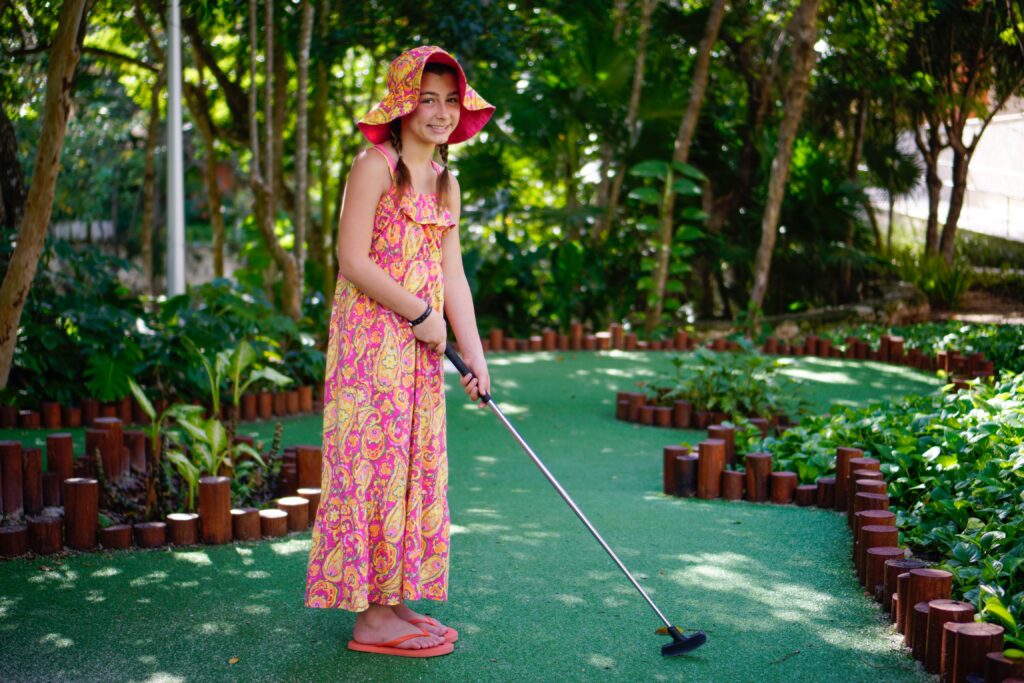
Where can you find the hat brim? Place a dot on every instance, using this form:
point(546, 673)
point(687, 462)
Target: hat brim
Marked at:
point(474, 112)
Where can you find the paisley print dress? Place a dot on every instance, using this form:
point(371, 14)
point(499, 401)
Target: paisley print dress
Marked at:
point(381, 532)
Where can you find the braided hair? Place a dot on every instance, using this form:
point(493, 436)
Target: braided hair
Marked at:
point(403, 179)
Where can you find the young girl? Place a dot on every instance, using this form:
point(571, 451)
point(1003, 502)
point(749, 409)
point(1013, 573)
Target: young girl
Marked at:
point(381, 532)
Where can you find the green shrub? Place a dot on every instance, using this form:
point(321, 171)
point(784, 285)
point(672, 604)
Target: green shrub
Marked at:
point(739, 383)
point(988, 251)
point(942, 283)
point(1001, 344)
point(1005, 282)
point(84, 334)
point(955, 468)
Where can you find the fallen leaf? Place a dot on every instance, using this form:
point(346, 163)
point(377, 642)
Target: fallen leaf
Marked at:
point(233, 660)
point(785, 657)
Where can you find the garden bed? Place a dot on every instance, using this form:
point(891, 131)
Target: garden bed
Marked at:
point(950, 468)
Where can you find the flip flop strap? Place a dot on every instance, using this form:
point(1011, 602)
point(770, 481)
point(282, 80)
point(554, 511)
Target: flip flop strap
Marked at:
point(426, 620)
point(401, 639)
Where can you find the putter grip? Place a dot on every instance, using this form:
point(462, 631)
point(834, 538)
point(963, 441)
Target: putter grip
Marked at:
point(461, 366)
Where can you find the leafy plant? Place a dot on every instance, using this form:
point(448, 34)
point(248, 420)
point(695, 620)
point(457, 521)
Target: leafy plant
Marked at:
point(156, 424)
point(739, 383)
point(942, 283)
point(203, 448)
point(1001, 344)
point(954, 463)
point(304, 362)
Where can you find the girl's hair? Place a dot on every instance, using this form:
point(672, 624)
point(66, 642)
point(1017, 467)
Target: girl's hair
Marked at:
point(402, 178)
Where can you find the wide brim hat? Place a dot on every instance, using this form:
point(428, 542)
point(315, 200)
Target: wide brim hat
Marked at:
point(403, 95)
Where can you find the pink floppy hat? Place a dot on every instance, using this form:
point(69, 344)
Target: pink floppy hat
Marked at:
point(403, 94)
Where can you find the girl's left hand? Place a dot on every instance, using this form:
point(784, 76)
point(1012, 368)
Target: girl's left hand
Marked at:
point(479, 382)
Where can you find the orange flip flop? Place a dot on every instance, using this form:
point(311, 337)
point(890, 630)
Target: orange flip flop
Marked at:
point(389, 648)
point(451, 635)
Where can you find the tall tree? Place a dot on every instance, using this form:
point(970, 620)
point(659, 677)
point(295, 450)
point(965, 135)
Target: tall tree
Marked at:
point(301, 138)
point(610, 202)
point(680, 155)
point(64, 54)
point(319, 231)
point(803, 28)
point(262, 180)
point(152, 140)
point(12, 184)
point(149, 183)
point(195, 95)
point(983, 72)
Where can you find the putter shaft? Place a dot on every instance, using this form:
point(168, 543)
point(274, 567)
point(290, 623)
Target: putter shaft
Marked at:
point(572, 504)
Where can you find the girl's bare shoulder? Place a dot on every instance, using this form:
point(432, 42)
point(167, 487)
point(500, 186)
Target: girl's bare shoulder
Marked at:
point(369, 165)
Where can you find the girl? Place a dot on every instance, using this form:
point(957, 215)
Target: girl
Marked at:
point(381, 532)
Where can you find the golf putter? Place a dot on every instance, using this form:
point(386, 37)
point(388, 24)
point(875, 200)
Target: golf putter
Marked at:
point(680, 644)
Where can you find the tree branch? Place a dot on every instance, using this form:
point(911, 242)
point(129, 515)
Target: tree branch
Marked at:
point(117, 56)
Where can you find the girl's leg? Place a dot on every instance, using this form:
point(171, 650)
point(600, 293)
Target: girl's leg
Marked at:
point(379, 624)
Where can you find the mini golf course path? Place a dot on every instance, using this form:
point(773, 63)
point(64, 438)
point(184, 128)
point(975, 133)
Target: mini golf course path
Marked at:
point(533, 595)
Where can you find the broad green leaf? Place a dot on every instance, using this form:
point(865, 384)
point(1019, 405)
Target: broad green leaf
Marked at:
point(646, 195)
point(196, 432)
point(689, 171)
point(272, 376)
point(140, 397)
point(651, 168)
point(688, 233)
point(692, 213)
point(995, 606)
point(648, 224)
point(686, 188)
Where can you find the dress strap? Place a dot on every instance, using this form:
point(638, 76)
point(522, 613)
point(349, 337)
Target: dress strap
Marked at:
point(438, 168)
point(387, 155)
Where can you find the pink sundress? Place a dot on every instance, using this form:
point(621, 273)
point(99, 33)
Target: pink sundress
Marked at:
point(381, 532)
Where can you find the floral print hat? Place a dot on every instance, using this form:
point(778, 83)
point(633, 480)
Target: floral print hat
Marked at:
point(403, 95)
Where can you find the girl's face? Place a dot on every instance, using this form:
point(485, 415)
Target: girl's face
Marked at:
point(438, 112)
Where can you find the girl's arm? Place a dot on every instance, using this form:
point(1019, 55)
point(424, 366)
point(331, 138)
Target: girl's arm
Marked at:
point(368, 180)
point(458, 304)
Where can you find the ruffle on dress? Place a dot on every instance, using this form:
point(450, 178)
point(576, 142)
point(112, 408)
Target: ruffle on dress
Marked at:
point(425, 210)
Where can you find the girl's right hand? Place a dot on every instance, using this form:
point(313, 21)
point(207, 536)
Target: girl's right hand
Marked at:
point(433, 332)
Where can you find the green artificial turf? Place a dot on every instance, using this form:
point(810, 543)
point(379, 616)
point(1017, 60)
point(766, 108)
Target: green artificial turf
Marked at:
point(532, 594)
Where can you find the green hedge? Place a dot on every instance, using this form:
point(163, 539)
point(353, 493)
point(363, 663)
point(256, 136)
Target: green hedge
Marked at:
point(954, 463)
point(1001, 344)
point(84, 334)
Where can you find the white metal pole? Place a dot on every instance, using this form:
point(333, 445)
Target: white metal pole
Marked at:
point(175, 165)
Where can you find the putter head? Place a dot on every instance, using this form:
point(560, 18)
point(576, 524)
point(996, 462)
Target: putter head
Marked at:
point(681, 644)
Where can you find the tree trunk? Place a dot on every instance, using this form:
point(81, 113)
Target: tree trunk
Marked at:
point(262, 180)
point(804, 31)
point(962, 154)
point(319, 229)
point(853, 175)
point(203, 123)
point(149, 183)
point(301, 139)
point(601, 193)
point(892, 217)
point(930, 149)
point(632, 130)
point(680, 153)
point(961, 161)
point(12, 184)
point(17, 280)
